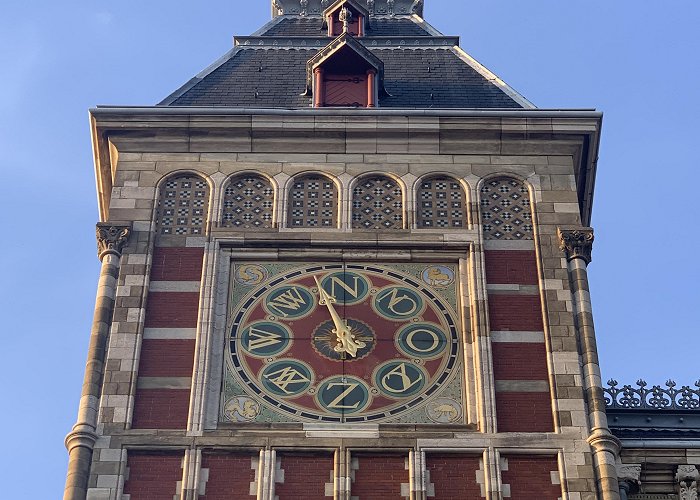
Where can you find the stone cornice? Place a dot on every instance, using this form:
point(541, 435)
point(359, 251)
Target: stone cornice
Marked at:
point(111, 239)
point(577, 243)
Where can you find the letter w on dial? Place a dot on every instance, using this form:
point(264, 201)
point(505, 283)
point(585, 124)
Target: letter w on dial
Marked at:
point(346, 339)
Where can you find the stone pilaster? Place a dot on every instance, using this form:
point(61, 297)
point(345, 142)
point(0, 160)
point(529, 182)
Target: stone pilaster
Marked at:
point(111, 239)
point(577, 244)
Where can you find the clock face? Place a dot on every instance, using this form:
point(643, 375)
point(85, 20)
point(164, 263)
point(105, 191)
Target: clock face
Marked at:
point(343, 343)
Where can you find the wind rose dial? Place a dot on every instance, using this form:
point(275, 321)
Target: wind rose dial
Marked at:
point(346, 343)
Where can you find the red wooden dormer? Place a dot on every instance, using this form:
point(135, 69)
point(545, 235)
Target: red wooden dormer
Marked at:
point(345, 74)
point(346, 13)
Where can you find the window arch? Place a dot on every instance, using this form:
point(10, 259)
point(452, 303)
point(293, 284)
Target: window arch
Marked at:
point(377, 203)
point(313, 202)
point(249, 202)
point(442, 203)
point(183, 203)
point(506, 210)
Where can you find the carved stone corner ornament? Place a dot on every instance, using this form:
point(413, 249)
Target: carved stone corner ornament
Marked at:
point(417, 7)
point(304, 4)
point(111, 239)
point(629, 476)
point(577, 243)
point(370, 7)
point(687, 477)
point(390, 7)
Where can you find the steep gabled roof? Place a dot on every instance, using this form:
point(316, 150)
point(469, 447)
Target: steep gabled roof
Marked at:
point(422, 67)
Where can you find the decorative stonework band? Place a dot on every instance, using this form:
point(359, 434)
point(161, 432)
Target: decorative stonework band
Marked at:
point(578, 243)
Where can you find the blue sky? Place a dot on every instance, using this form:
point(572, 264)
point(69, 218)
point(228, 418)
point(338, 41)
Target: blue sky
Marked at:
point(636, 61)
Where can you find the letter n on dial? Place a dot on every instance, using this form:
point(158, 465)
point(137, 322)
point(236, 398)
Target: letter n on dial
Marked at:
point(344, 342)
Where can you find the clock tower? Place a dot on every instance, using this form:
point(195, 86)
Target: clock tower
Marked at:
point(345, 261)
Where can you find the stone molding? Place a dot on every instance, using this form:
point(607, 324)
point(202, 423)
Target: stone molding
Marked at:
point(577, 243)
point(111, 239)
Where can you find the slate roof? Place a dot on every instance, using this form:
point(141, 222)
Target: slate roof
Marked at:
point(422, 70)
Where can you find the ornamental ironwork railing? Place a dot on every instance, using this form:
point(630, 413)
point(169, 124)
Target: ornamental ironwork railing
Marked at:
point(652, 398)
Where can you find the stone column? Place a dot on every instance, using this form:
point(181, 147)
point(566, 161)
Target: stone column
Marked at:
point(111, 239)
point(687, 477)
point(578, 245)
point(628, 476)
point(319, 90)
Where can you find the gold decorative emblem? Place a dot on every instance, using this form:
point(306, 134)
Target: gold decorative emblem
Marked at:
point(241, 409)
point(444, 411)
point(250, 274)
point(439, 276)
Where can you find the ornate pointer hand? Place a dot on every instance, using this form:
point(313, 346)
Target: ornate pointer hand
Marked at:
point(346, 340)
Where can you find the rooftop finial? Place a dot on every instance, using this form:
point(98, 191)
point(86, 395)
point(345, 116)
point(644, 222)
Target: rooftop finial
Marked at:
point(345, 18)
point(370, 6)
point(304, 4)
point(390, 7)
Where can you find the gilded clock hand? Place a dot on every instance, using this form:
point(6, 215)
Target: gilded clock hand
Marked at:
point(346, 340)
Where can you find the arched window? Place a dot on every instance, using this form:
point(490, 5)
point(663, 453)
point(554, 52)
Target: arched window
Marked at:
point(506, 210)
point(248, 203)
point(182, 206)
point(313, 202)
point(377, 203)
point(441, 204)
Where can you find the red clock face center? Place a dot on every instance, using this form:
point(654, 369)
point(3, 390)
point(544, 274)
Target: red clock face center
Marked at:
point(345, 342)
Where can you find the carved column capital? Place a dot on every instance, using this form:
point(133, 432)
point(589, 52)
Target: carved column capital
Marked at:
point(577, 243)
point(687, 477)
point(111, 239)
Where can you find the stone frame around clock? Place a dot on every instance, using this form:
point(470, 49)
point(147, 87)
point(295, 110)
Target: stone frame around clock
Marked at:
point(222, 253)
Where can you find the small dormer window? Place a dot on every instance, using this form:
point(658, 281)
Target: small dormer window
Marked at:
point(346, 16)
point(345, 74)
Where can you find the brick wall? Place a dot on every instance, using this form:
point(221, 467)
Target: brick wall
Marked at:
point(524, 412)
point(521, 373)
point(161, 409)
point(511, 266)
point(230, 476)
point(530, 477)
point(379, 477)
point(172, 309)
point(519, 361)
point(305, 476)
point(153, 476)
point(163, 394)
point(515, 312)
point(453, 476)
point(166, 358)
point(176, 264)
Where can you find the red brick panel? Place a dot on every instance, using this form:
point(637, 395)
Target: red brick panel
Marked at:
point(521, 313)
point(515, 361)
point(230, 476)
point(453, 476)
point(524, 412)
point(166, 358)
point(511, 267)
point(530, 477)
point(380, 477)
point(177, 264)
point(305, 476)
point(153, 476)
point(161, 408)
point(172, 310)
